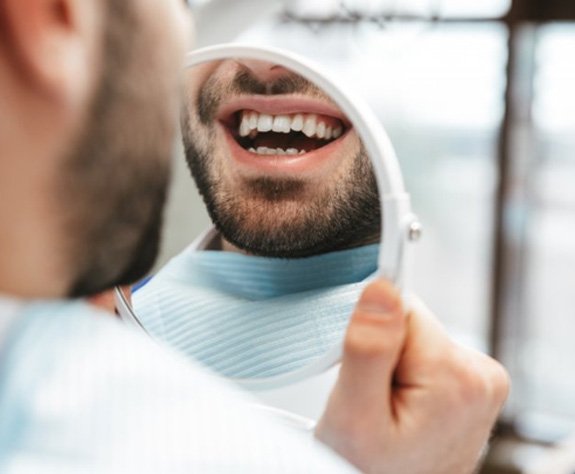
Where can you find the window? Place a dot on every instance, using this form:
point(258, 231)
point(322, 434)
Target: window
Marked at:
point(440, 8)
point(547, 353)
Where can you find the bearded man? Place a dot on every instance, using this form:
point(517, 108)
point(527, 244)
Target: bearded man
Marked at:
point(89, 94)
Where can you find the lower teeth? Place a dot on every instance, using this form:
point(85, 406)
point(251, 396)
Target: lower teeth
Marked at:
point(263, 150)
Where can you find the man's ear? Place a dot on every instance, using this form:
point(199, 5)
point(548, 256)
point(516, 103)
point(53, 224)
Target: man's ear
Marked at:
point(54, 43)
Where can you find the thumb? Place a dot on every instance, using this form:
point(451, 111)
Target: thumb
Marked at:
point(373, 344)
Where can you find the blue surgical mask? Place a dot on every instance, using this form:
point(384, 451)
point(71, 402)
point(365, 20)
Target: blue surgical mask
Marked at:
point(246, 316)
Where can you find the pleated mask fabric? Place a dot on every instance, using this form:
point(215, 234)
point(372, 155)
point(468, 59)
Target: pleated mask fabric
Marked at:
point(246, 316)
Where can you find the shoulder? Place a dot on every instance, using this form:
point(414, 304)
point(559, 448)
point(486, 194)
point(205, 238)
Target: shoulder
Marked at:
point(92, 348)
point(78, 385)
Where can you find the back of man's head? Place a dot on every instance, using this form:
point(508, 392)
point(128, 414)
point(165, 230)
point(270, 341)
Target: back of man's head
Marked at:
point(89, 94)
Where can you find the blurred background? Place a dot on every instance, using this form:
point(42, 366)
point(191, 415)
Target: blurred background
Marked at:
point(478, 98)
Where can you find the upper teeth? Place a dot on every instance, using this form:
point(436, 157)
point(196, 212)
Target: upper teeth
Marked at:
point(311, 125)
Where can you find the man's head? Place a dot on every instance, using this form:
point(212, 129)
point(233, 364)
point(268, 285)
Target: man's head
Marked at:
point(90, 96)
point(282, 171)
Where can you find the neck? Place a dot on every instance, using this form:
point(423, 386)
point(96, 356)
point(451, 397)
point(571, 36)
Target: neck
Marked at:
point(30, 256)
point(229, 247)
point(26, 272)
point(35, 132)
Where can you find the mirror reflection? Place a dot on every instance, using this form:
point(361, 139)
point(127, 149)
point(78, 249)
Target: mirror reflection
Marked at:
point(296, 224)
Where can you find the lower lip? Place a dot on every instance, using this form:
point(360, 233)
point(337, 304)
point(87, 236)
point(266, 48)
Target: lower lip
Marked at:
point(309, 164)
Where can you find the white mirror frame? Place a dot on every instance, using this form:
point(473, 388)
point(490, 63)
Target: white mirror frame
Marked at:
point(399, 224)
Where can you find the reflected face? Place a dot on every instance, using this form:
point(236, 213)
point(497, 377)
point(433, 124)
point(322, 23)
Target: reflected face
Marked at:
point(281, 169)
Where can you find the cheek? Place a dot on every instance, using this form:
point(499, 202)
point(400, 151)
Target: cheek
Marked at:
point(353, 147)
point(179, 26)
point(171, 27)
point(213, 155)
point(202, 137)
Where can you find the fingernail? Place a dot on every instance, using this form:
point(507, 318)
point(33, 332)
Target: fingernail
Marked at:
point(380, 297)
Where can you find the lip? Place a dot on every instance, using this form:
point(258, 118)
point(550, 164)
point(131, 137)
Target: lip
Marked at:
point(280, 105)
point(313, 164)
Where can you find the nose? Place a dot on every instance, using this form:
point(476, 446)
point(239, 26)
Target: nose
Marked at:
point(264, 71)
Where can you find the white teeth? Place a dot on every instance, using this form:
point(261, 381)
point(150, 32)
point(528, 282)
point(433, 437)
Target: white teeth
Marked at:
point(253, 120)
point(251, 123)
point(264, 150)
point(310, 125)
point(245, 126)
point(265, 123)
point(282, 123)
point(297, 123)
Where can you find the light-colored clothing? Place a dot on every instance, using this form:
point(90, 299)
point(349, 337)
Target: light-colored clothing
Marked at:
point(81, 393)
point(246, 316)
point(9, 310)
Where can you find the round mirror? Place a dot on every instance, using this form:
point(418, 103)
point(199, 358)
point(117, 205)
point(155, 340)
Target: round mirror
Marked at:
point(307, 202)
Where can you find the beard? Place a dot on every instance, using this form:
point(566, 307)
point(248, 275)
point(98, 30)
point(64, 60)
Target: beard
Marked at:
point(279, 217)
point(115, 180)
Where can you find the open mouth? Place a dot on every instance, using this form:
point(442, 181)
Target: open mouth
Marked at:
point(288, 134)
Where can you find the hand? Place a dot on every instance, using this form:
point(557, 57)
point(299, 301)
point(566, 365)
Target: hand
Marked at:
point(408, 399)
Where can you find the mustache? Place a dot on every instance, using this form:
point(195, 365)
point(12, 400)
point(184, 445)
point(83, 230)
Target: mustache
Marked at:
point(213, 92)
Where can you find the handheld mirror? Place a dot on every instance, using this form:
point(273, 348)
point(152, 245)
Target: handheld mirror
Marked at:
point(302, 184)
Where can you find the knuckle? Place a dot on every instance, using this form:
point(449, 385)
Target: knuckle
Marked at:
point(479, 379)
point(468, 381)
point(441, 362)
point(500, 382)
point(471, 387)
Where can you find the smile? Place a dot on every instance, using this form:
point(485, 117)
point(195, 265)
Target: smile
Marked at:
point(279, 127)
point(279, 135)
point(296, 134)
